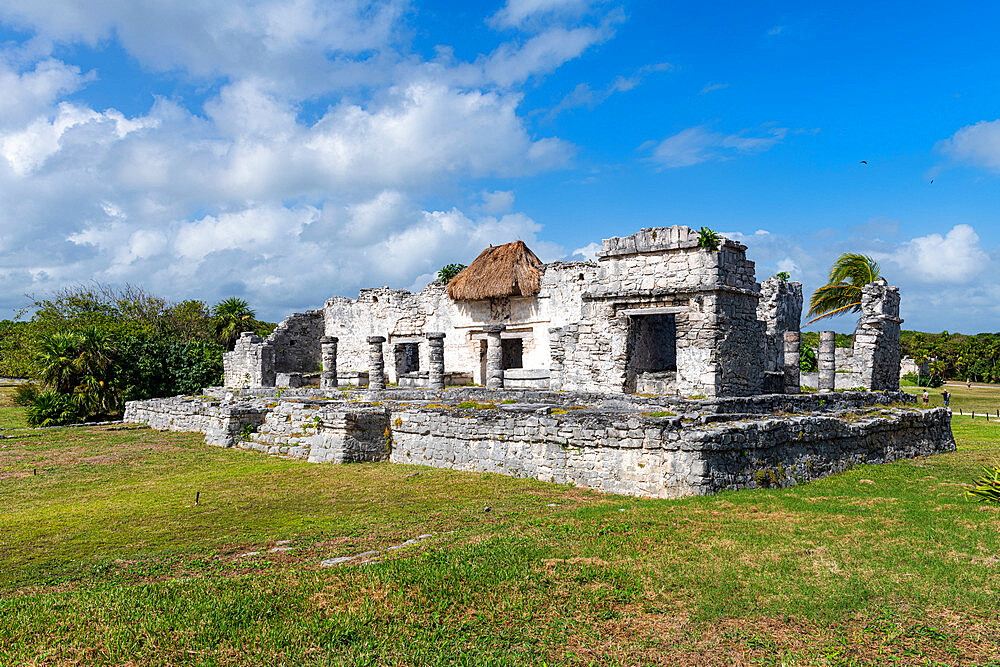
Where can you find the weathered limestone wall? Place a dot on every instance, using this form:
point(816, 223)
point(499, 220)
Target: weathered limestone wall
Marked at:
point(404, 317)
point(711, 295)
point(296, 343)
point(321, 432)
point(222, 425)
point(876, 340)
point(250, 364)
point(615, 446)
point(780, 309)
point(657, 457)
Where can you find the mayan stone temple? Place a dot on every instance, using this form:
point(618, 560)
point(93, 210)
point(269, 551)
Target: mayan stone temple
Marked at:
point(664, 369)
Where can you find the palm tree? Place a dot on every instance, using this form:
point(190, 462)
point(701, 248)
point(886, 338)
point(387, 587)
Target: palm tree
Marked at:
point(232, 316)
point(849, 274)
point(56, 357)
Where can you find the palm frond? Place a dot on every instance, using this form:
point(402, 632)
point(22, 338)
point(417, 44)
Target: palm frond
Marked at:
point(848, 275)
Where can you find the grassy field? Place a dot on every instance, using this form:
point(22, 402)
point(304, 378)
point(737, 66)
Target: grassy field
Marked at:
point(980, 398)
point(105, 559)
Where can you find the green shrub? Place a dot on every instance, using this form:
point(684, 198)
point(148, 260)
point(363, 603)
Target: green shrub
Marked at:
point(448, 272)
point(807, 360)
point(25, 394)
point(54, 409)
point(987, 488)
point(708, 239)
point(927, 380)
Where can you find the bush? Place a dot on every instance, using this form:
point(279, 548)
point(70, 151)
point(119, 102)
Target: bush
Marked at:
point(54, 409)
point(152, 367)
point(25, 394)
point(931, 381)
point(807, 360)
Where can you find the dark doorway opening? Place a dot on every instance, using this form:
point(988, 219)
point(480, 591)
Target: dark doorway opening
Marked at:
point(407, 358)
point(513, 350)
point(652, 349)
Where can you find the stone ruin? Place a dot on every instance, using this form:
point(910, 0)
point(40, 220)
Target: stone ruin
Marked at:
point(663, 369)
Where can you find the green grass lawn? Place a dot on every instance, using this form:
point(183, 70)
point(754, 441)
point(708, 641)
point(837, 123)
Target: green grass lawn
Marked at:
point(105, 559)
point(980, 398)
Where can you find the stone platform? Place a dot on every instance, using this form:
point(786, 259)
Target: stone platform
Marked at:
point(642, 446)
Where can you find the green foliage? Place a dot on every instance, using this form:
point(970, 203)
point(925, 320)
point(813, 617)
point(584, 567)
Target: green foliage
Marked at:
point(783, 275)
point(842, 294)
point(955, 356)
point(986, 489)
point(25, 394)
point(448, 272)
point(932, 381)
point(102, 346)
point(154, 367)
point(811, 339)
point(708, 239)
point(15, 357)
point(54, 409)
point(232, 317)
point(807, 359)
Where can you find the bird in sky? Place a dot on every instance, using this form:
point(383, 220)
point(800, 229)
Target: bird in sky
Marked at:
point(864, 162)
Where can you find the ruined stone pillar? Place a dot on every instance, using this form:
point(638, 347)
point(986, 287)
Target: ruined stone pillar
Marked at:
point(792, 382)
point(435, 359)
point(328, 352)
point(826, 358)
point(376, 363)
point(494, 356)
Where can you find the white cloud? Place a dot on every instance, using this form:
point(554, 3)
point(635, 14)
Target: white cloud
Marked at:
point(954, 258)
point(585, 96)
point(977, 144)
point(587, 252)
point(303, 171)
point(774, 31)
point(512, 63)
point(286, 43)
point(495, 203)
point(699, 144)
point(516, 13)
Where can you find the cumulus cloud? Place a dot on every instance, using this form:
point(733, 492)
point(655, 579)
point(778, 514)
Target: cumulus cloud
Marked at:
point(499, 201)
point(699, 144)
point(978, 145)
point(954, 258)
point(242, 192)
point(286, 43)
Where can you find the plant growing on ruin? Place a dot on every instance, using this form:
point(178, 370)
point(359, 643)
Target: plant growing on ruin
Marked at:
point(448, 272)
point(842, 293)
point(709, 239)
point(987, 488)
point(783, 276)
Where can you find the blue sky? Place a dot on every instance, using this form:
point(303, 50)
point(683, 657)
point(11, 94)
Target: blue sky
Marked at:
point(290, 151)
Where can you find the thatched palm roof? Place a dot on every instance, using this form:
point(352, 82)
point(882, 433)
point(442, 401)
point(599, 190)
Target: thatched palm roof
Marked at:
point(501, 271)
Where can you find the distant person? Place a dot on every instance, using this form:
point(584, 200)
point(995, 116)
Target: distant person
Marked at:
point(926, 397)
point(968, 384)
point(946, 397)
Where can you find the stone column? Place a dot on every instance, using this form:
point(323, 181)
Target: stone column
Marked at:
point(792, 382)
point(435, 358)
point(376, 363)
point(494, 356)
point(328, 352)
point(827, 360)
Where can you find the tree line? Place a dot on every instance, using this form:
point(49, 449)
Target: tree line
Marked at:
point(90, 348)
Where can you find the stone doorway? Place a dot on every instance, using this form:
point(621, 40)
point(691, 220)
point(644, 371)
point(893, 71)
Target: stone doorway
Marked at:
point(513, 352)
point(407, 358)
point(651, 348)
